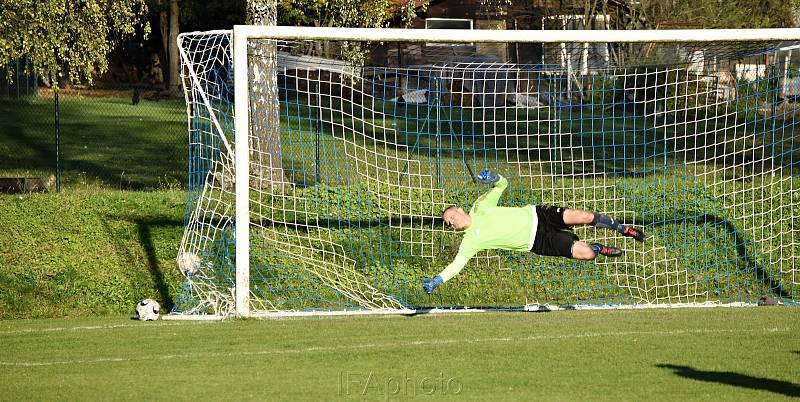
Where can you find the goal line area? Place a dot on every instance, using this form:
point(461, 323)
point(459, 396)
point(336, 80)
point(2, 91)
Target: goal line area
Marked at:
point(320, 161)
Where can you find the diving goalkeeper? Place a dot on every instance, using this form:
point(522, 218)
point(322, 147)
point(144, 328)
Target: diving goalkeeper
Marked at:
point(543, 230)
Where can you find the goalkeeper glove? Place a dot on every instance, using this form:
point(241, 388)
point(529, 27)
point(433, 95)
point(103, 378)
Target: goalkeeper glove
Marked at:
point(428, 284)
point(487, 176)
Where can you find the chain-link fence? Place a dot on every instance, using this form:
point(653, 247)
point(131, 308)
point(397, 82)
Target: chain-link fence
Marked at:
point(130, 138)
point(16, 82)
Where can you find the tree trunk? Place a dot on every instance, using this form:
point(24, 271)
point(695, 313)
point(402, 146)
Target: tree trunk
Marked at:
point(265, 159)
point(163, 25)
point(173, 55)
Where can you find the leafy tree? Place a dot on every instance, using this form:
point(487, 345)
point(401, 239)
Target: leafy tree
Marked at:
point(795, 4)
point(67, 39)
point(644, 14)
point(722, 14)
point(344, 13)
point(341, 13)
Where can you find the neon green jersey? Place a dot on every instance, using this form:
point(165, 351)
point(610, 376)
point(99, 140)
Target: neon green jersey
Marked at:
point(493, 227)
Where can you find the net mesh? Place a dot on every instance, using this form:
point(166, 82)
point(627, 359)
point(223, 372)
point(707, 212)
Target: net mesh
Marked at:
point(352, 164)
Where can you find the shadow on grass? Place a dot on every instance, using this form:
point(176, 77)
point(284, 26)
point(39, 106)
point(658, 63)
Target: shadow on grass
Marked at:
point(103, 140)
point(146, 238)
point(623, 145)
point(735, 379)
point(144, 229)
point(743, 246)
point(741, 249)
point(740, 242)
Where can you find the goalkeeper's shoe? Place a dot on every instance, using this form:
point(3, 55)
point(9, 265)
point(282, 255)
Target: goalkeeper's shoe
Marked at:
point(429, 284)
point(636, 234)
point(607, 251)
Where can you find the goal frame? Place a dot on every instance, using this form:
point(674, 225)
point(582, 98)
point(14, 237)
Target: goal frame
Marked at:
point(243, 33)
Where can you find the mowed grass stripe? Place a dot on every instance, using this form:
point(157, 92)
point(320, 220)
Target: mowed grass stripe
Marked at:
point(441, 342)
point(722, 353)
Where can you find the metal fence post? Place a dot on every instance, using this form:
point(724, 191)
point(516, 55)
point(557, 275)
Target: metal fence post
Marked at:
point(58, 134)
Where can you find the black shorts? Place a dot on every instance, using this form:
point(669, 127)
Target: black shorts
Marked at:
point(553, 236)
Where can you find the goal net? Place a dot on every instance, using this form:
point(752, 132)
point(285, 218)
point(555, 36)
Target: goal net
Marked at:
point(322, 190)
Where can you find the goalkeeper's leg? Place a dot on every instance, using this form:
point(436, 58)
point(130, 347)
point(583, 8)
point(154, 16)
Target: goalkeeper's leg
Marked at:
point(579, 217)
point(583, 251)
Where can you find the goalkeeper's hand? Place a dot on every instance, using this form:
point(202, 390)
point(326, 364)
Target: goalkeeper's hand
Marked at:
point(428, 284)
point(487, 176)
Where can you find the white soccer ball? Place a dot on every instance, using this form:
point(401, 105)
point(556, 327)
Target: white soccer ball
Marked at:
point(188, 262)
point(147, 310)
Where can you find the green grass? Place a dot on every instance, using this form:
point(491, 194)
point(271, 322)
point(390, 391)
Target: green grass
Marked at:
point(96, 250)
point(709, 223)
point(740, 354)
point(104, 141)
point(88, 251)
point(107, 256)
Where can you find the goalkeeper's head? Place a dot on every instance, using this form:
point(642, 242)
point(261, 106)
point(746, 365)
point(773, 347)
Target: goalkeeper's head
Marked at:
point(456, 218)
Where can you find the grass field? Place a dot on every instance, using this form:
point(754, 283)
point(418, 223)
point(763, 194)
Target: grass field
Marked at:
point(711, 190)
point(113, 247)
point(109, 248)
point(743, 354)
point(94, 250)
point(103, 141)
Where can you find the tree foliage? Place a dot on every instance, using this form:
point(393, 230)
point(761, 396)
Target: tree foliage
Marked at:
point(678, 14)
point(340, 13)
point(67, 39)
point(721, 14)
point(344, 13)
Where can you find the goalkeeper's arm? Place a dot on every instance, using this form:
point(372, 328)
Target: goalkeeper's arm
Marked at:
point(492, 196)
point(463, 256)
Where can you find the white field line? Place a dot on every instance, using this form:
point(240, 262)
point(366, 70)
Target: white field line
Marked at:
point(393, 345)
point(99, 327)
point(168, 322)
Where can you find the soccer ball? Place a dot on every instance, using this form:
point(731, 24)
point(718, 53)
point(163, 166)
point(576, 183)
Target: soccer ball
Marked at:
point(147, 310)
point(188, 262)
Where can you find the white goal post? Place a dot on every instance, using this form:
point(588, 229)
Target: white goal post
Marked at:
point(710, 167)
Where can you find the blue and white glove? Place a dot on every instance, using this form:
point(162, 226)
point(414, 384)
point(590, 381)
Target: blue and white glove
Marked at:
point(487, 176)
point(428, 284)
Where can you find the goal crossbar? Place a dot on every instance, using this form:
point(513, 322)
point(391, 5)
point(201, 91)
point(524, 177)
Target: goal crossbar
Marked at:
point(523, 36)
